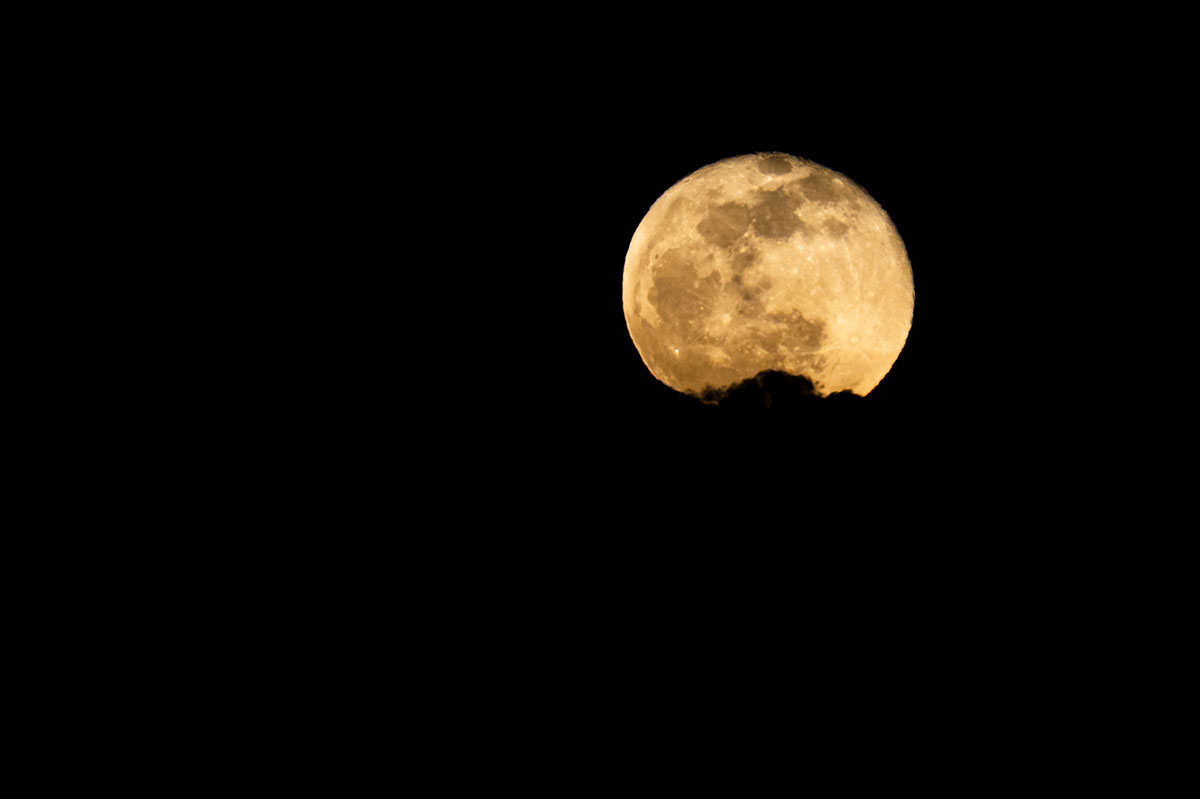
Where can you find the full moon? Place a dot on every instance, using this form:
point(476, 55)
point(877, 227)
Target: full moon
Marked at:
point(767, 262)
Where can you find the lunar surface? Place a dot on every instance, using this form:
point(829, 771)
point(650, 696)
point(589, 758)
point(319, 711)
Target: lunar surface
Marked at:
point(762, 262)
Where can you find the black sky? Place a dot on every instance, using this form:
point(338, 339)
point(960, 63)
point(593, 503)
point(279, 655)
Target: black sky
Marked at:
point(427, 384)
point(544, 153)
point(474, 370)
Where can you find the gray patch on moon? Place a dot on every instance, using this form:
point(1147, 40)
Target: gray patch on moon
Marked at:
point(799, 330)
point(774, 164)
point(752, 291)
point(673, 209)
point(743, 259)
point(821, 188)
point(835, 227)
point(774, 214)
point(748, 295)
point(724, 224)
point(750, 307)
point(680, 296)
point(769, 339)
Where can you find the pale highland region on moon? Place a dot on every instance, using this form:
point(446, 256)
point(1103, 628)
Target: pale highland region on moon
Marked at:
point(764, 262)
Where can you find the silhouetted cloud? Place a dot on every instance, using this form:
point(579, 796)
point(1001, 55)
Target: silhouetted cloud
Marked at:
point(772, 391)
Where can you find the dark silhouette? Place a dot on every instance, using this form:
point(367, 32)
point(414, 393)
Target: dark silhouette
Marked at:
point(774, 392)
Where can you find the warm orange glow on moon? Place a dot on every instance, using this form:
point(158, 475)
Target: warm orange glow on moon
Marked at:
point(767, 261)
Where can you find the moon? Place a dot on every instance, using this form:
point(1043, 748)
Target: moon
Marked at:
point(767, 262)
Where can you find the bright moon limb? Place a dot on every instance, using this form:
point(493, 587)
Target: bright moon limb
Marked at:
point(767, 262)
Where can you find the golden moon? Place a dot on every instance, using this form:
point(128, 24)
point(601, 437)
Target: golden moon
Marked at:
point(767, 262)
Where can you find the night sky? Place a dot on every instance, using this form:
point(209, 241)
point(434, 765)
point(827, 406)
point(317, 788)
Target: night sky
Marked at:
point(546, 165)
point(503, 461)
point(423, 462)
